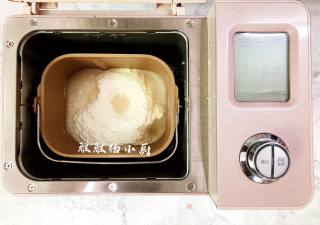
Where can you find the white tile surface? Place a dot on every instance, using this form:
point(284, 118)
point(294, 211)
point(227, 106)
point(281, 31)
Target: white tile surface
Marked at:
point(155, 209)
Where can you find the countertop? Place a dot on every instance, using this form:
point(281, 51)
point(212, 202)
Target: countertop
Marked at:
point(162, 209)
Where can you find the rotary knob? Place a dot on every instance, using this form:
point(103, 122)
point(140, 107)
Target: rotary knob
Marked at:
point(264, 158)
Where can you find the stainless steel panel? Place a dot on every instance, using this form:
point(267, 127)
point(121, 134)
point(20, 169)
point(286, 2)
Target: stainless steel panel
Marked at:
point(17, 27)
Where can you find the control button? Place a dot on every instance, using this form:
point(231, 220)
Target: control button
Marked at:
point(281, 162)
point(264, 161)
point(264, 158)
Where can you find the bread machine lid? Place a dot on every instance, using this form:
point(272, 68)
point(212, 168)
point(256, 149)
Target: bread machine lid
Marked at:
point(112, 1)
point(168, 7)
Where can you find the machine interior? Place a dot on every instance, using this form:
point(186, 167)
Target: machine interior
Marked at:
point(37, 49)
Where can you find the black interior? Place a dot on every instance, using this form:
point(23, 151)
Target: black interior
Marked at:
point(38, 49)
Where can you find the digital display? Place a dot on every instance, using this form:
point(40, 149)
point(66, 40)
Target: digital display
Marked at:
point(261, 67)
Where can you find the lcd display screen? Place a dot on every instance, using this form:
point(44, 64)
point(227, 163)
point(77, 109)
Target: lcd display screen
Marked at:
point(261, 67)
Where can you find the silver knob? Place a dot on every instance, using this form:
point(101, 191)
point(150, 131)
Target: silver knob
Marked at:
point(264, 158)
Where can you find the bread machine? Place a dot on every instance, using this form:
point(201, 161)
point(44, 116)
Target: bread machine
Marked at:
point(243, 74)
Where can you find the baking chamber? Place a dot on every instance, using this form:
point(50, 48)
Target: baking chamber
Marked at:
point(34, 156)
point(53, 96)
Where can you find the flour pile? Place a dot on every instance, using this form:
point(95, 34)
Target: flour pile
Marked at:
point(117, 106)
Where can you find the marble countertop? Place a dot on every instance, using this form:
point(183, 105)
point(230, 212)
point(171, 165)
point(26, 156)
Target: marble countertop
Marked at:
point(164, 209)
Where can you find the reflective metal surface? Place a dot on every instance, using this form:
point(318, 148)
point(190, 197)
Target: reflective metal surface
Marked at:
point(17, 27)
point(261, 146)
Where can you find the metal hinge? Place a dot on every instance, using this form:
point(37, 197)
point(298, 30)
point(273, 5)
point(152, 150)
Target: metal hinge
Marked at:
point(32, 7)
point(178, 9)
point(37, 8)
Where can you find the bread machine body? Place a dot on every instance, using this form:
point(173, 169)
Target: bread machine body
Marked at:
point(245, 86)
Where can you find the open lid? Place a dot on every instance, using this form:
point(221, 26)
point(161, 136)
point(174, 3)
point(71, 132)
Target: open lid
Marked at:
point(168, 7)
point(111, 1)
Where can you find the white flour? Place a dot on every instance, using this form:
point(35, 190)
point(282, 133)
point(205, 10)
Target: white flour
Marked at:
point(117, 106)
